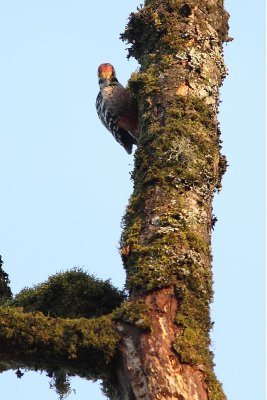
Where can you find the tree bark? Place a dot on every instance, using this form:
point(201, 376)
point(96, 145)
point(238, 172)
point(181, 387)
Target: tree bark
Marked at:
point(166, 241)
point(151, 367)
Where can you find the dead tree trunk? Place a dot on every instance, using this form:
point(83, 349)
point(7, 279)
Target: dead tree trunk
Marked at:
point(166, 242)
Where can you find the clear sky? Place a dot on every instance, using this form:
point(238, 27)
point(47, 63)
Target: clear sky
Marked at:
point(65, 182)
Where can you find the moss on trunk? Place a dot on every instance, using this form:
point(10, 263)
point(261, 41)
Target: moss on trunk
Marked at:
point(178, 165)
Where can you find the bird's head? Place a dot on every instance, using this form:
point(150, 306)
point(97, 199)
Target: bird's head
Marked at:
point(106, 75)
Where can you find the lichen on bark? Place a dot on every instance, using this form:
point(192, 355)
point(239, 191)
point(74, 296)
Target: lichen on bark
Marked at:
point(178, 165)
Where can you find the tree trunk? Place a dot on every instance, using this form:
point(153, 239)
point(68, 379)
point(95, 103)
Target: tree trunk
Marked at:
point(166, 241)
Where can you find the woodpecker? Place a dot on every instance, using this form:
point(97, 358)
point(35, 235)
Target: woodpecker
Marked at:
point(117, 108)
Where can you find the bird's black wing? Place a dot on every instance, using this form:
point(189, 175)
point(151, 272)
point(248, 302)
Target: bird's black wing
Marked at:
point(123, 137)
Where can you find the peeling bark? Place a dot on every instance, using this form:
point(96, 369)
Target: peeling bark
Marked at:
point(153, 369)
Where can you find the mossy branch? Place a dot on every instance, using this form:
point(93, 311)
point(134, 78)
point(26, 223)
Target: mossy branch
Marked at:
point(63, 326)
point(67, 326)
point(79, 346)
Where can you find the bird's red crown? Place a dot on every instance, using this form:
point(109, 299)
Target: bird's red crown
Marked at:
point(106, 71)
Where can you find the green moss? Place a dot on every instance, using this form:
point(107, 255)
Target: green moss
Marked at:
point(5, 290)
point(65, 347)
point(60, 383)
point(215, 388)
point(191, 345)
point(221, 171)
point(193, 109)
point(197, 243)
point(183, 142)
point(86, 345)
point(160, 28)
point(133, 312)
point(73, 293)
point(157, 266)
point(192, 342)
point(143, 84)
point(62, 347)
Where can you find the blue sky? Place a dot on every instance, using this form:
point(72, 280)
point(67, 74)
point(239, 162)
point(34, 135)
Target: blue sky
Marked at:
point(65, 182)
